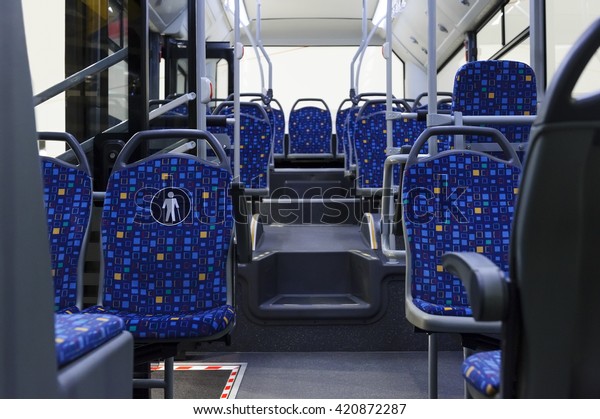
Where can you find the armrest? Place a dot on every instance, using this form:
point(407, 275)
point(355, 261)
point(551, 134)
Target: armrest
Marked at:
point(485, 283)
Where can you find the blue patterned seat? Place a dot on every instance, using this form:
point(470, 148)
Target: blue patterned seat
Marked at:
point(277, 118)
point(553, 256)
point(32, 369)
point(341, 119)
point(482, 372)
point(75, 335)
point(347, 138)
point(497, 88)
point(457, 200)
point(370, 143)
point(166, 234)
point(310, 129)
point(255, 144)
point(165, 266)
point(68, 203)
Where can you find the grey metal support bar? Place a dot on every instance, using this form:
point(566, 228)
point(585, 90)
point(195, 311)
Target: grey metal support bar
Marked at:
point(137, 72)
point(80, 76)
point(236, 92)
point(433, 366)
point(200, 72)
point(88, 144)
point(470, 119)
point(387, 209)
point(432, 70)
point(260, 45)
point(200, 61)
point(362, 46)
point(537, 34)
point(388, 66)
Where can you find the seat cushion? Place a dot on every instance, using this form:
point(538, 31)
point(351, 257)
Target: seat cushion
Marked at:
point(68, 310)
point(173, 326)
point(76, 334)
point(482, 372)
point(443, 310)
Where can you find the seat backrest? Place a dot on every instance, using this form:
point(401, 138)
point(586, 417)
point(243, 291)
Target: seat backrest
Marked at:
point(497, 87)
point(456, 200)
point(341, 119)
point(350, 125)
point(310, 128)
point(166, 230)
point(370, 141)
point(255, 143)
point(277, 119)
point(444, 102)
point(68, 203)
point(551, 339)
point(348, 138)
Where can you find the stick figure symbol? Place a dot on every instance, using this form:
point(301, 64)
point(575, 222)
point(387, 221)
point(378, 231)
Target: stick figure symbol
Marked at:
point(172, 208)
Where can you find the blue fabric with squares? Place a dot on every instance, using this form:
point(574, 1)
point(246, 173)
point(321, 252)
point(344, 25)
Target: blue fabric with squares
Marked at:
point(310, 130)
point(348, 135)
point(482, 372)
point(278, 128)
point(341, 121)
point(496, 88)
point(458, 201)
point(76, 335)
point(370, 136)
point(255, 144)
point(166, 231)
point(68, 203)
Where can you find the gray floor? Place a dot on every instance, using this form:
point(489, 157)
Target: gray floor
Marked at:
point(341, 375)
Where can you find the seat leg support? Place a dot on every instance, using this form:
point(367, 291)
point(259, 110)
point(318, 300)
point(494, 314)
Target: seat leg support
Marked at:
point(169, 373)
point(433, 366)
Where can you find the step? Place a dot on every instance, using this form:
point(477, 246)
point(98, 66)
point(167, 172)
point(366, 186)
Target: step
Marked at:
point(313, 301)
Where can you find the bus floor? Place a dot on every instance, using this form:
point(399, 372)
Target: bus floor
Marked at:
point(317, 375)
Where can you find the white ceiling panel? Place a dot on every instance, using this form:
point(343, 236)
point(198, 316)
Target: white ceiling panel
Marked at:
point(307, 9)
point(339, 22)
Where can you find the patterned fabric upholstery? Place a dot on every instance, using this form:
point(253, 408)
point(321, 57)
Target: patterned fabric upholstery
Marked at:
point(78, 334)
point(168, 326)
point(348, 146)
point(255, 145)
point(497, 88)
point(278, 127)
point(310, 130)
point(460, 201)
point(370, 136)
point(482, 372)
point(348, 139)
point(68, 202)
point(166, 232)
point(341, 119)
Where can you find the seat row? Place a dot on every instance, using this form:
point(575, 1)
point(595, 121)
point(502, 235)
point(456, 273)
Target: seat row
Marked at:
point(488, 247)
point(458, 196)
point(166, 233)
point(362, 128)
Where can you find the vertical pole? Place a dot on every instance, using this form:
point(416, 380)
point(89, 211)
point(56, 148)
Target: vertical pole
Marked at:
point(353, 81)
point(200, 72)
point(138, 65)
point(537, 33)
point(431, 70)
point(192, 56)
point(388, 58)
point(433, 366)
point(236, 92)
